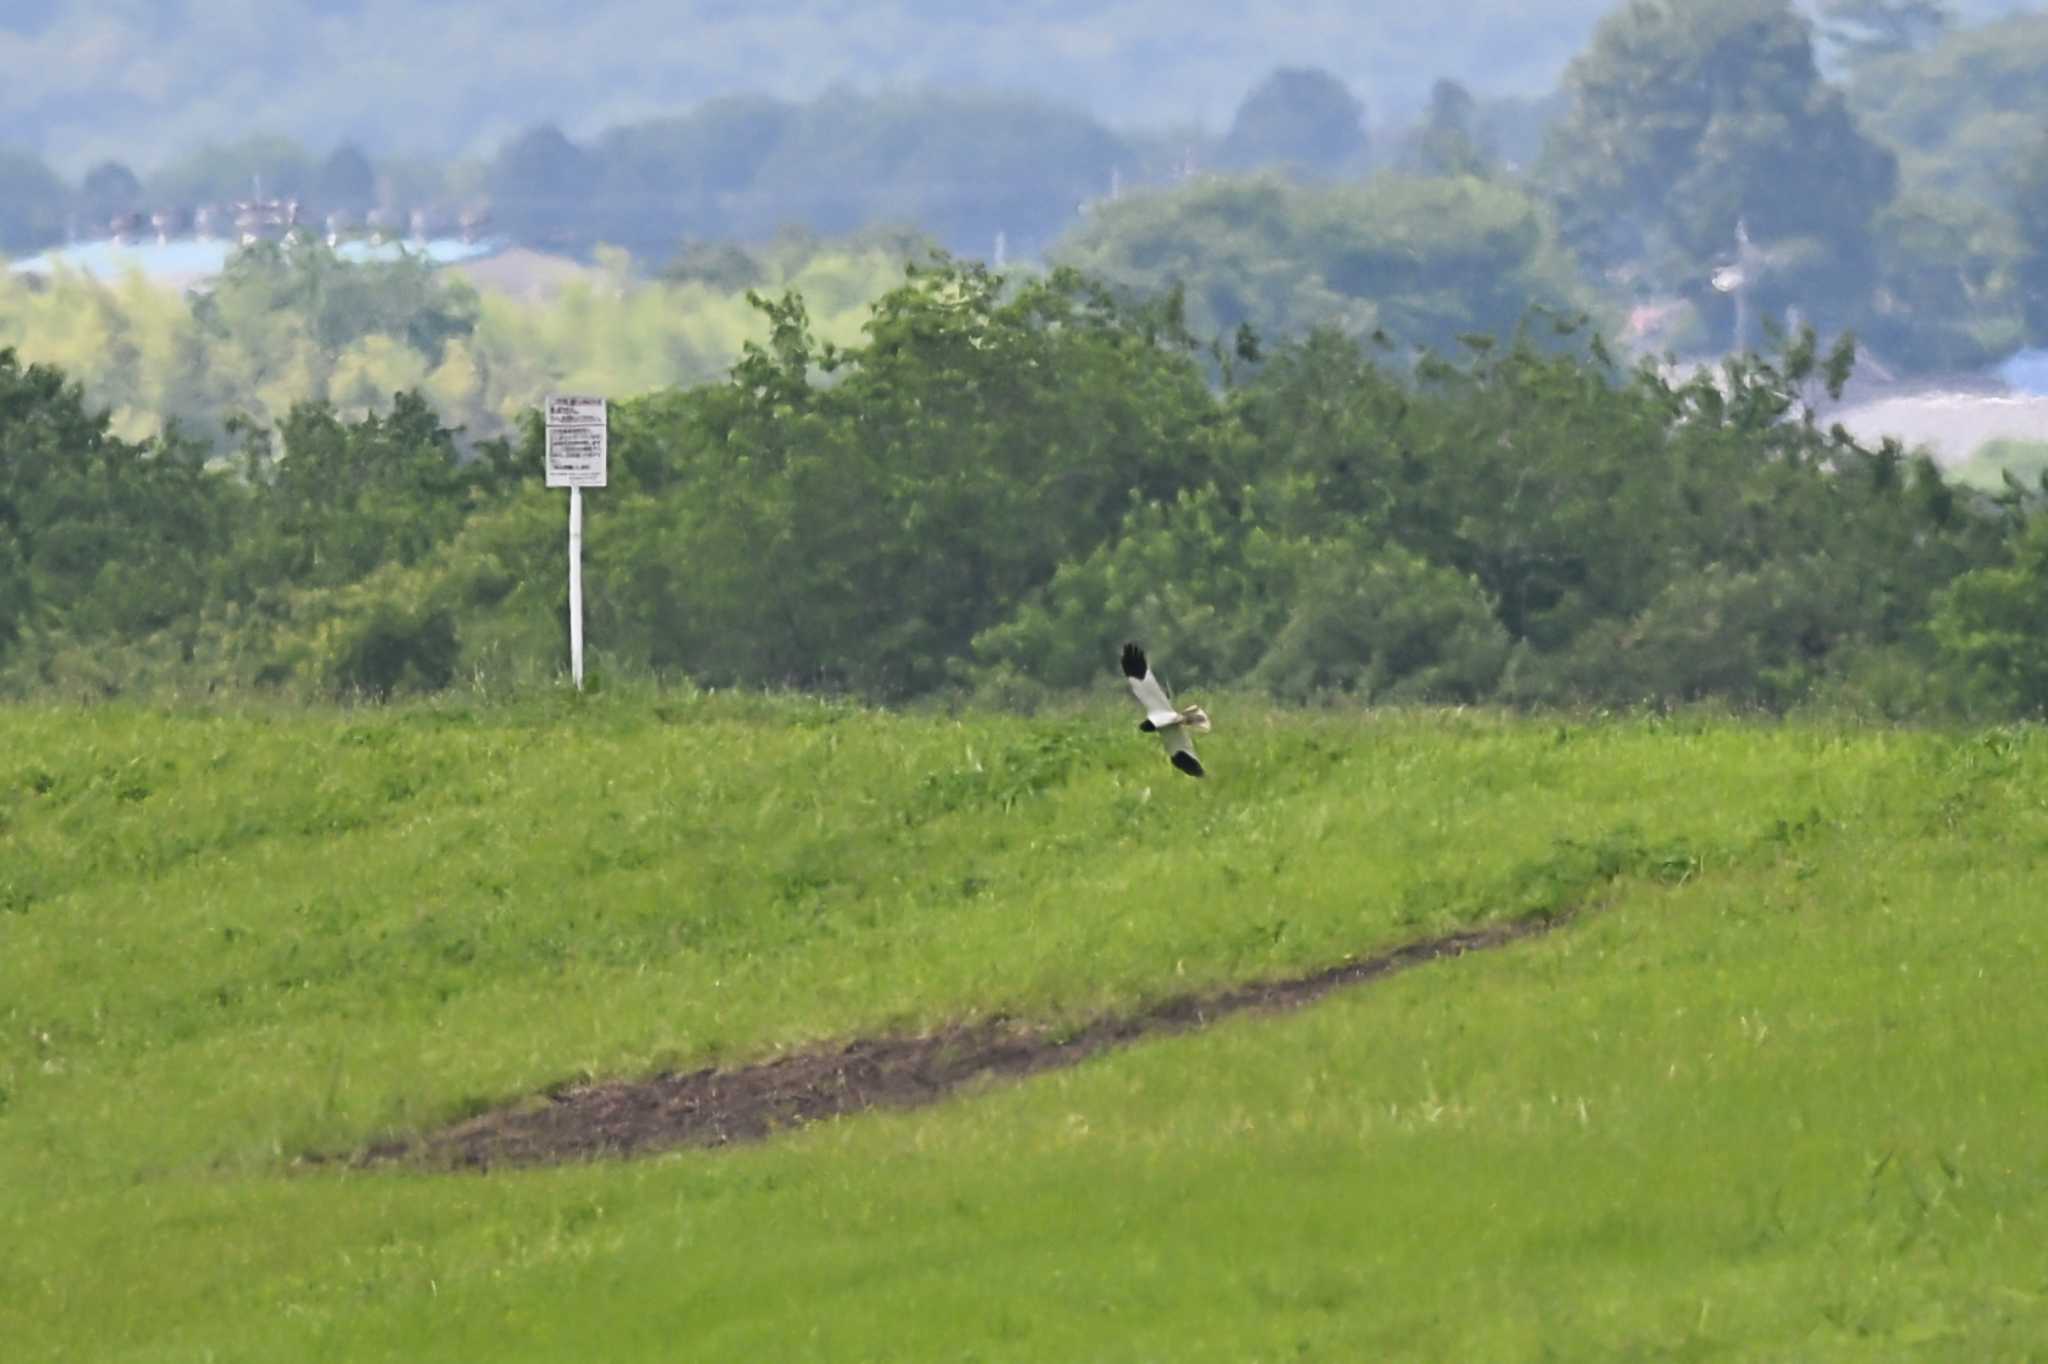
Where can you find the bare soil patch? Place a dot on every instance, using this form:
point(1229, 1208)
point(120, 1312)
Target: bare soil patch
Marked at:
point(710, 1108)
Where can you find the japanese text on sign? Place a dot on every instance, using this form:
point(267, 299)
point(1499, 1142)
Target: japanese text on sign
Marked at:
point(576, 442)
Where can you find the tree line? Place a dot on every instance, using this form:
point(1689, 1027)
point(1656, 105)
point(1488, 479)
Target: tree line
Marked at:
point(1907, 200)
point(1419, 258)
point(286, 324)
point(148, 82)
point(1004, 478)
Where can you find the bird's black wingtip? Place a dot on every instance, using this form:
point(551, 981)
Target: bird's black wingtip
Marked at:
point(1134, 661)
point(1188, 763)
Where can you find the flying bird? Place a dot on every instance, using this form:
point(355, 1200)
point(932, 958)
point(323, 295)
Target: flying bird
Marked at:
point(1170, 722)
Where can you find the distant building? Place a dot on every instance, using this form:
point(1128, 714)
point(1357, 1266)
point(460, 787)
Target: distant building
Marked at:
point(181, 247)
point(189, 262)
point(258, 220)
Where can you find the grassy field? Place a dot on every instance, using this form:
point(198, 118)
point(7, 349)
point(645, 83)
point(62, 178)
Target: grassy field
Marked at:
point(1775, 1091)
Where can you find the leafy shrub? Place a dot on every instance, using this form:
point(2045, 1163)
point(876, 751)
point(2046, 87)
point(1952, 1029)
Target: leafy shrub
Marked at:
point(1385, 625)
point(389, 647)
point(1992, 626)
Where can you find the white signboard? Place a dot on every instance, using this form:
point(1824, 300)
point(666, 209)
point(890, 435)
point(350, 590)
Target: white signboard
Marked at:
point(576, 441)
point(575, 459)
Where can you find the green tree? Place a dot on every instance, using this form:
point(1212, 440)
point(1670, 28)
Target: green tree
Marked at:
point(267, 165)
point(108, 190)
point(1448, 141)
point(98, 535)
point(1685, 119)
point(1961, 113)
point(1523, 522)
point(540, 184)
point(346, 498)
point(1947, 288)
point(1423, 260)
point(1992, 626)
point(725, 266)
point(275, 303)
point(1384, 624)
point(346, 182)
point(32, 202)
point(858, 533)
point(1204, 577)
point(959, 166)
point(1302, 118)
point(1752, 635)
point(671, 179)
point(390, 635)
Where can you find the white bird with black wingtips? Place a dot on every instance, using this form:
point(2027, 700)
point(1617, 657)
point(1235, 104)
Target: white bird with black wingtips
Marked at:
point(1170, 722)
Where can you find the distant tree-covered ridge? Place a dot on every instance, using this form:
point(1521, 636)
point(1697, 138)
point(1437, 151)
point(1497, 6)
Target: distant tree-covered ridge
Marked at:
point(962, 167)
point(1859, 163)
point(1963, 251)
point(1960, 110)
point(143, 84)
point(1002, 479)
point(1684, 122)
point(1416, 260)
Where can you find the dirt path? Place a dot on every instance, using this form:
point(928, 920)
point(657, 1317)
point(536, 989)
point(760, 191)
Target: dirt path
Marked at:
point(722, 1107)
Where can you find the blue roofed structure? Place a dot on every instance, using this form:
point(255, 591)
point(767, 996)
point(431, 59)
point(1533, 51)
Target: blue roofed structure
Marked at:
point(193, 260)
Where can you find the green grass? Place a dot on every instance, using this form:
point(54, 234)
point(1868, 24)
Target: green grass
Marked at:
point(1777, 1093)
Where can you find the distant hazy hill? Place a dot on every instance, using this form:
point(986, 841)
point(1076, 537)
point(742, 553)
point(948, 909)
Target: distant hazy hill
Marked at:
point(143, 80)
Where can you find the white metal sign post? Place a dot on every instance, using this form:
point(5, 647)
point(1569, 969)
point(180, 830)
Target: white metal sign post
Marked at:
point(576, 450)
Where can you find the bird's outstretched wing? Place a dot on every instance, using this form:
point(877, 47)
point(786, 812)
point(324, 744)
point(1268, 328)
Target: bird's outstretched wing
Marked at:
point(1181, 749)
point(1149, 692)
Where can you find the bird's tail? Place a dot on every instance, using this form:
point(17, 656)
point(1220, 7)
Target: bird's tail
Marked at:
point(1195, 718)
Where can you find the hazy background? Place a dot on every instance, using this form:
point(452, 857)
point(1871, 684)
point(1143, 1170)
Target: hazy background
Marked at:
point(145, 81)
point(1420, 172)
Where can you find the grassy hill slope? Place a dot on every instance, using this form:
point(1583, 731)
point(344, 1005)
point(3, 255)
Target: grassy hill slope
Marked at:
point(1775, 1088)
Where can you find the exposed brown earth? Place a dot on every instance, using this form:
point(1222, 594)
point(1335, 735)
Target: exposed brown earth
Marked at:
point(708, 1108)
